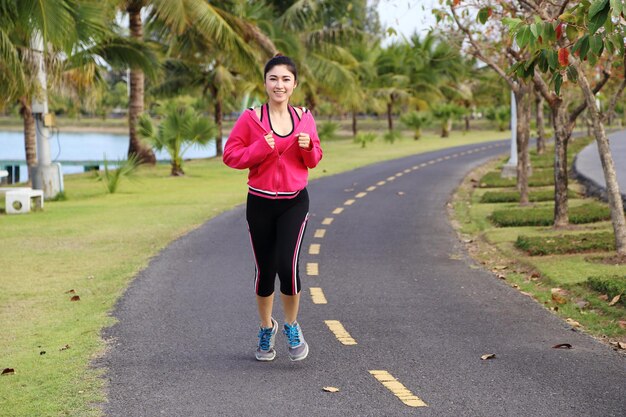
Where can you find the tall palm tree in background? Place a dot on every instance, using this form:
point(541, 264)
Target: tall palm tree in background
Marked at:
point(392, 83)
point(65, 26)
point(168, 19)
point(195, 63)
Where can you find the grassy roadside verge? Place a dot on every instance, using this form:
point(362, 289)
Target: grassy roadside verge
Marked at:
point(558, 281)
point(92, 244)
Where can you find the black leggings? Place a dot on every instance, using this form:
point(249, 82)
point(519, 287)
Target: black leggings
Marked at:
point(276, 231)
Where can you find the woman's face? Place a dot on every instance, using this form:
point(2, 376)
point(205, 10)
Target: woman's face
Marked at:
point(279, 84)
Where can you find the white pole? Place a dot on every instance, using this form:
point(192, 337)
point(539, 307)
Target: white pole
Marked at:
point(44, 175)
point(509, 169)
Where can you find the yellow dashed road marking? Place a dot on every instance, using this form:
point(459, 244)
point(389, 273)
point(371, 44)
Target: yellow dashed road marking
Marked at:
point(349, 202)
point(327, 220)
point(399, 390)
point(379, 183)
point(312, 268)
point(340, 332)
point(431, 162)
point(423, 164)
point(406, 171)
point(314, 249)
point(391, 178)
point(360, 195)
point(317, 295)
point(319, 233)
point(439, 159)
point(372, 188)
point(446, 157)
point(399, 174)
point(338, 210)
point(455, 155)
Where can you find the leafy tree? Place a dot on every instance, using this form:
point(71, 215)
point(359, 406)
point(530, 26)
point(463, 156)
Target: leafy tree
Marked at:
point(416, 121)
point(567, 43)
point(181, 128)
point(445, 113)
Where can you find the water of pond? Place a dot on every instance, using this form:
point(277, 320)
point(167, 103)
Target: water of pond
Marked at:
point(76, 150)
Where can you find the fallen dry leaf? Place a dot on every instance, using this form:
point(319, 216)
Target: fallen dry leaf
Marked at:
point(582, 304)
point(514, 285)
point(621, 345)
point(615, 299)
point(526, 293)
point(572, 322)
point(75, 298)
point(70, 292)
point(622, 324)
point(66, 347)
point(558, 295)
point(603, 297)
point(562, 345)
point(8, 371)
point(331, 389)
point(488, 356)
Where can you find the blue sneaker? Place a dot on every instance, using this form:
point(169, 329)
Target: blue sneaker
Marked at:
point(265, 351)
point(298, 348)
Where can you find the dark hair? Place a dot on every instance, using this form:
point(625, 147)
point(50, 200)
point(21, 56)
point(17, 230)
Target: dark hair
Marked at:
point(281, 60)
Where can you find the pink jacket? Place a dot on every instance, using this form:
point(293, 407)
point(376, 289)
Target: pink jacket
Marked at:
point(272, 174)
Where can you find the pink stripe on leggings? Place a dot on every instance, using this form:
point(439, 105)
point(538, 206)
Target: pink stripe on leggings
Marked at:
point(294, 265)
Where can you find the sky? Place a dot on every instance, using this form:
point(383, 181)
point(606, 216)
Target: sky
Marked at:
point(406, 16)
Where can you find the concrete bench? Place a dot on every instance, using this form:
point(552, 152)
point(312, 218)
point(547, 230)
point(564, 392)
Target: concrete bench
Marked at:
point(18, 200)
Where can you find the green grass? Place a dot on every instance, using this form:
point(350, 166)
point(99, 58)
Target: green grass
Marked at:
point(535, 275)
point(571, 243)
point(539, 177)
point(544, 215)
point(94, 243)
point(612, 285)
point(507, 196)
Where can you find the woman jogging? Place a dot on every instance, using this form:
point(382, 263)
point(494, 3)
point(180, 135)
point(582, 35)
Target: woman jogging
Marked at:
point(278, 143)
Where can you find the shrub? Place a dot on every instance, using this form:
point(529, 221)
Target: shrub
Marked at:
point(111, 177)
point(328, 130)
point(551, 245)
point(539, 178)
point(416, 121)
point(544, 216)
point(513, 196)
point(610, 285)
point(391, 136)
point(365, 138)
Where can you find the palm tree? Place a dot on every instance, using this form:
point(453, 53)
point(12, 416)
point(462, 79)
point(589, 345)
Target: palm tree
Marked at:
point(172, 18)
point(180, 129)
point(392, 84)
point(63, 31)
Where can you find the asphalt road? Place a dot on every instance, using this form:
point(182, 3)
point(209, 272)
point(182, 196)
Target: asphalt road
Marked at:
point(588, 164)
point(400, 284)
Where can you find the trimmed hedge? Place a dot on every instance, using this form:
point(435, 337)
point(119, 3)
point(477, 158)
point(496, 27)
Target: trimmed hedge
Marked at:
point(610, 285)
point(552, 245)
point(544, 216)
point(540, 178)
point(513, 196)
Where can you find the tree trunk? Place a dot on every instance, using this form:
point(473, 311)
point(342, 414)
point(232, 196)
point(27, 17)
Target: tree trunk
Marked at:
point(446, 127)
point(30, 135)
point(562, 133)
point(354, 126)
point(135, 103)
point(522, 100)
point(541, 131)
point(219, 117)
point(467, 121)
point(389, 111)
point(614, 196)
